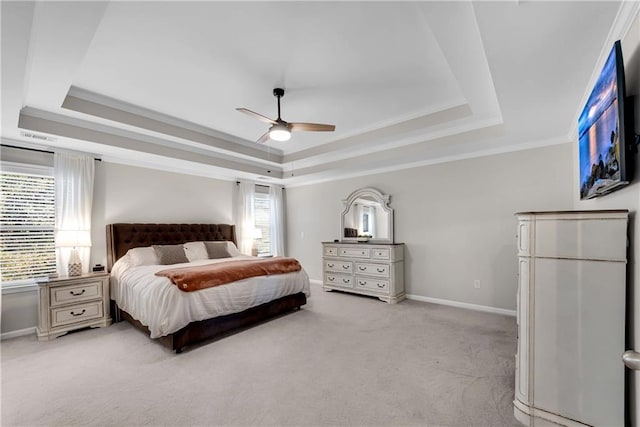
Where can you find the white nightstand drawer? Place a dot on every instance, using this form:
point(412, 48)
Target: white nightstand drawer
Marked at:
point(354, 252)
point(380, 270)
point(330, 251)
point(380, 254)
point(372, 284)
point(76, 313)
point(338, 266)
point(73, 293)
point(338, 280)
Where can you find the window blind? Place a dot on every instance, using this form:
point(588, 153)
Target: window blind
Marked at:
point(262, 219)
point(27, 220)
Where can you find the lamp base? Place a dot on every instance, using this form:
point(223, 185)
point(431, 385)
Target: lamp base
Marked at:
point(74, 269)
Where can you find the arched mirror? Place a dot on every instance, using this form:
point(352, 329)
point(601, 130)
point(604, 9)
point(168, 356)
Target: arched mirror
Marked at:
point(367, 217)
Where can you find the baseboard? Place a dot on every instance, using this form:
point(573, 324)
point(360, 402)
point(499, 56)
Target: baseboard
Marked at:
point(315, 282)
point(465, 305)
point(18, 333)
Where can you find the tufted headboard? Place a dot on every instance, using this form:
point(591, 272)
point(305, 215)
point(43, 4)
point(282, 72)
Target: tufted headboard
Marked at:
point(122, 237)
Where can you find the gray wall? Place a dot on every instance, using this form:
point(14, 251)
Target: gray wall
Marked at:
point(456, 219)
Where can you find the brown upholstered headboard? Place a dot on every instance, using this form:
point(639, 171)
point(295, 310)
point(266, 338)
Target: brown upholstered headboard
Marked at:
point(122, 237)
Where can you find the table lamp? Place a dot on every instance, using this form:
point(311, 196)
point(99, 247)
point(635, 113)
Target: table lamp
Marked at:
point(73, 239)
point(257, 235)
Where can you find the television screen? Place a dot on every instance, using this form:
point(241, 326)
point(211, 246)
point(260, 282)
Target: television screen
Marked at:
point(601, 132)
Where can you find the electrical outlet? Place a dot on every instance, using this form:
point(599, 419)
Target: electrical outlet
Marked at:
point(476, 283)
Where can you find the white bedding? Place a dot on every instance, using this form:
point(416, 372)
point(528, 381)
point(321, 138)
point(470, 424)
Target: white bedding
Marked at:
point(164, 309)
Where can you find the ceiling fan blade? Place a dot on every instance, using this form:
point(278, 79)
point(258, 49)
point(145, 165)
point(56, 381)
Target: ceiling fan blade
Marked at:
point(313, 127)
point(257, 116)
point(264, 138)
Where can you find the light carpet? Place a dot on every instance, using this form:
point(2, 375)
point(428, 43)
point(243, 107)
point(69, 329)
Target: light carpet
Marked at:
point(341, 360)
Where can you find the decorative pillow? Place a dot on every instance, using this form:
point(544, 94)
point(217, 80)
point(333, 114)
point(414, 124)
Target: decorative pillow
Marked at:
point(170, 254)
point(143, 256)
point(195, 251)
point(217, 250)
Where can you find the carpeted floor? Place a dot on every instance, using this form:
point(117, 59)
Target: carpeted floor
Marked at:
point(342, 360)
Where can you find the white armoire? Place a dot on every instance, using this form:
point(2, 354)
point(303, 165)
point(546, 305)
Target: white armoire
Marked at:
point(571, 318)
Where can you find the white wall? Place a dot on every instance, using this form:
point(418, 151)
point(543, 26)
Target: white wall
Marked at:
point(129, 194)
point(456, 219)
point(132, 194)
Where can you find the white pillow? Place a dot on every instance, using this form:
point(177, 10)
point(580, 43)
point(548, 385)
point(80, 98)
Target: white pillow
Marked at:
point(232, 249)
point(143, 256)
point(195, 251)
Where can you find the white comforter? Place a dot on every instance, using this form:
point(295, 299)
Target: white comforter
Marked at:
point(164, 309)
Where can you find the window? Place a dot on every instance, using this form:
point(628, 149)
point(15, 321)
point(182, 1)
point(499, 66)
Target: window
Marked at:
point(27, 221)
point(262, 219)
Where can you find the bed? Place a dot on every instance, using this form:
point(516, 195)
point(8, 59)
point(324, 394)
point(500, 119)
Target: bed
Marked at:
point(252, 300)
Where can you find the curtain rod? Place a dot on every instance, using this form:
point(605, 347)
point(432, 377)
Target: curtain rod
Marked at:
point(260, 185)
point(37, 150)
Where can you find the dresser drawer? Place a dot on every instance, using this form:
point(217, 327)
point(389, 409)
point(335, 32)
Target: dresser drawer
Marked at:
point(72, 293)
point(372, 284)
point(380, 270)
point(354, 252)
point(338, 266)
point(380, 253)
point(338, 280)
point(330, 251)
point(76, 313)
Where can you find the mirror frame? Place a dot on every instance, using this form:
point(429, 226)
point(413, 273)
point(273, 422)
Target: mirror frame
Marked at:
point(383, 199)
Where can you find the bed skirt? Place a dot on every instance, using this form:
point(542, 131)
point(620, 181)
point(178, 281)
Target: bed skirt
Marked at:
point(196, 332)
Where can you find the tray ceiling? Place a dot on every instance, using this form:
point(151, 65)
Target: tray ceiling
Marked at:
point(157, 83)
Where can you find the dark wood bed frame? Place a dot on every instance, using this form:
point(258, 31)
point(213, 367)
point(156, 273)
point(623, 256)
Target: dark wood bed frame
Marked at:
point(122, 237)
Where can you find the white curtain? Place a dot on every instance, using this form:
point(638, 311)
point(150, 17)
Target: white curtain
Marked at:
point(277, 221)
point(73, 198)
point(245, 224)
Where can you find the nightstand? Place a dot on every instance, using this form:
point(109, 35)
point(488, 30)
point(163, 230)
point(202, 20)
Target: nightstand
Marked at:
point(69, 303)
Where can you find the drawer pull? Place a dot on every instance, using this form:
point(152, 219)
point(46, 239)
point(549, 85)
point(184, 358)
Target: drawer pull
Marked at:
point(362, 252)
point(363, 283)
point(361, 268)
point(78, 294)
point(346, 267)
point(381, 285)
point(331, 279)
point(79, 314)
point(346, 280)
point(380, 270)
point(331, 265)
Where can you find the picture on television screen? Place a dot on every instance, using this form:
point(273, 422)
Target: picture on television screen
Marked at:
point(599, 136)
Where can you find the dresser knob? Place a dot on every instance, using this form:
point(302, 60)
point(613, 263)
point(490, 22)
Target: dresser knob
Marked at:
point(361, 268)
point(380, 270)
point(346, 267)
point(79, 314)
point(78, 294)
point(346, 280)
point(381, 285)
point(363, 283)
point(331, 279)
point(330, 265)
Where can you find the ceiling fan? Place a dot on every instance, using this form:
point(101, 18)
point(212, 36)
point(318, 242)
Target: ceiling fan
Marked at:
point(281, 130)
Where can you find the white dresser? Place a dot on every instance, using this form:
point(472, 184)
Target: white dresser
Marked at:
point(571, 318)
point(365, 268)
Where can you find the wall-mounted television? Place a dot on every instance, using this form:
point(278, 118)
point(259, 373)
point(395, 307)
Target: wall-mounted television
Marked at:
point(605, 132)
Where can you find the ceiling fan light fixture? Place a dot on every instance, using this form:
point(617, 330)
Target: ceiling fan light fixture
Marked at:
point(279, 132)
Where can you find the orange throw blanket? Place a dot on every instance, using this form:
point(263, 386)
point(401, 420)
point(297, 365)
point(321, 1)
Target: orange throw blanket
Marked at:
point(189, 279)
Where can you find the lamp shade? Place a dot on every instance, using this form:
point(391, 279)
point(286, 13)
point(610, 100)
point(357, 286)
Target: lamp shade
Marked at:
point(72, 238)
